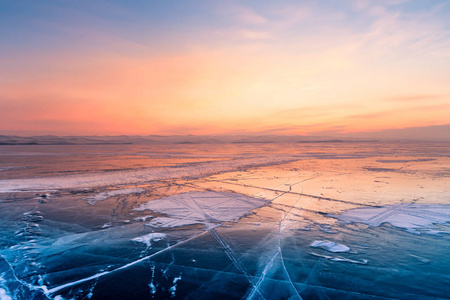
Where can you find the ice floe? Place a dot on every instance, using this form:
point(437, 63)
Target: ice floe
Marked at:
point(202, 207)
point(330, 246)
point(409, 216)
point(105, 195)
point(149, 238)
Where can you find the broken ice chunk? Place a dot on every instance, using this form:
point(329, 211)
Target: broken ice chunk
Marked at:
point(330, 246)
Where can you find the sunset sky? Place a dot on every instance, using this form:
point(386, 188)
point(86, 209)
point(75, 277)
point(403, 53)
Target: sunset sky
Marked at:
point(223, 67)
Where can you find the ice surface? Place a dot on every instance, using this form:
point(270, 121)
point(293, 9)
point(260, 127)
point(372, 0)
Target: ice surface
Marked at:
point(105, 195)
point(149, 238)
point(203, 207)
point(330, 246)
point(404, 160)
point(79, 181)
point(64, 240)
point(274, 210)
point(409, 216)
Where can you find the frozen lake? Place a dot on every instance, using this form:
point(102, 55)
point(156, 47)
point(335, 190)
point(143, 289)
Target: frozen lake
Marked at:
point(228, 221)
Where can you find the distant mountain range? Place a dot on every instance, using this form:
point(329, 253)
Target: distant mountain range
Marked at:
point(158, 139)
point(426, 133)
point(430, 133)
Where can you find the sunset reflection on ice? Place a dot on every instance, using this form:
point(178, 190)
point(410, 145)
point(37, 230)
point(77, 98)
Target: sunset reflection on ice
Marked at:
point(272, 220)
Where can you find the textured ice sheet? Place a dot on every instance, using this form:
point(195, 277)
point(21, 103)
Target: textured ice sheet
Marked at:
point(105, 195)
point(80, 181)
point(330, 246)
point(203, 207)
point(408, 216)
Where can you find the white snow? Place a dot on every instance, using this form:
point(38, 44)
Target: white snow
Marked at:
point(163, 222)
point(107, 225)
point(173, 289)
point(4, 295)
point(330, 246)
point(105, 195)
point(152, 288)
point(149, 238)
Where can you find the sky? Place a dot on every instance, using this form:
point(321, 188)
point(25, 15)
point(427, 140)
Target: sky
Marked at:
point(223, 67)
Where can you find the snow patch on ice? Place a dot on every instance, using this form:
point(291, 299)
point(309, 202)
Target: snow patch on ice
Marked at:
point(330, 246)
point(4, 295)
point(105, 195)
point(149, 238)
point(107, 225)
point(163, 222)
point(151, 285)
point(201, 207)
point(173, 289)
point(408, 216)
